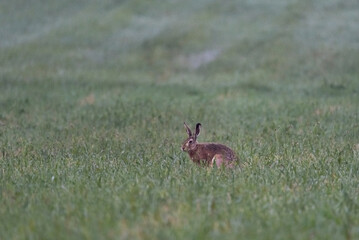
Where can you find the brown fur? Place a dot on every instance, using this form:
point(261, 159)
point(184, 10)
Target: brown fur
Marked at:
point(207, 153)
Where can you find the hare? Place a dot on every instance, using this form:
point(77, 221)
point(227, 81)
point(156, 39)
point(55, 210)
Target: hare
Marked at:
point(207, 153)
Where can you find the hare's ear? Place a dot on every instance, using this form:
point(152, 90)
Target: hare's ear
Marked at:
point(198, 129)
point(188, 129)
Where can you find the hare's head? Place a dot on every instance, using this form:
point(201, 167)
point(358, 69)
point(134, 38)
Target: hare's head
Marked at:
point(191, 142)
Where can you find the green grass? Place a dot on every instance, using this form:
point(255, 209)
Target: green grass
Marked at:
point(93, 96)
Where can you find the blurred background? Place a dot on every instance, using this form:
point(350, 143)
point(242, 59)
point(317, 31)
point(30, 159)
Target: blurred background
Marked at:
point(124, 64)
point(233, 54)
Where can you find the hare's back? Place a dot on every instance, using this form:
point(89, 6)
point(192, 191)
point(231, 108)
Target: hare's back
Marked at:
point(217, 148)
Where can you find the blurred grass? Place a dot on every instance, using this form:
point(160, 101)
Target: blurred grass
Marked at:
point(93, 95)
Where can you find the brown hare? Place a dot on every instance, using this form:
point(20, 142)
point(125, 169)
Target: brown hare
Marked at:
point(207, 153)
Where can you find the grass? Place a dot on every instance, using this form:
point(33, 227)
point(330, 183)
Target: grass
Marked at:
point(93, 96)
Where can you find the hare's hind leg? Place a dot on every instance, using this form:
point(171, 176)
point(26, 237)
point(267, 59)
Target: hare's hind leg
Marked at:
point(218, 159)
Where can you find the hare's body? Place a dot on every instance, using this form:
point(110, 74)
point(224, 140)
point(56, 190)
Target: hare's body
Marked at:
point(207, 153)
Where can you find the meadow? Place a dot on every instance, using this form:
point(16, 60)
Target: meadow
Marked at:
point(93, 96)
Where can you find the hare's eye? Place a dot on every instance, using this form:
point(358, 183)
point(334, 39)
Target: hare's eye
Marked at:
point(190, 141)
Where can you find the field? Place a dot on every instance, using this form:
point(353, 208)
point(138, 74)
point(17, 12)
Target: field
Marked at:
point(93, 96)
